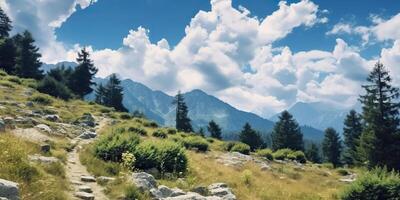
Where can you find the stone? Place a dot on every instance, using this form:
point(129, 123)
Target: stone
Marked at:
point(84, 195)
point(144, 181)
point(53, 118)
point(264, 167)
point(44, 128)
point(217, 185)
point(9, 189)
point(88, 120)
point(88, 179)
point(29, 104)
point(2, 126)
point(85, 188)
point(201, 190)
point(192, 196)
point(153, 171)
point(87, 135)
point(105, 179)
point(221, 190)
point(45, 148)
point(43, 159)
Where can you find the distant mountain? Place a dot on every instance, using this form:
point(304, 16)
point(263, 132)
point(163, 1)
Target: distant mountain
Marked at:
point(203, 107)
point(317, 115)
point(48, 67)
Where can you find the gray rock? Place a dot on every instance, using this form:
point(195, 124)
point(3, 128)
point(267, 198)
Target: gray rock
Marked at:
point(87, 135)
point(53, 118)
point(144, 181)
point(153, 171)
point(84, 195)
point(192, 196)
point(217, 185)
point(43, 127)
point(88, 120)
point(201, 190)
point(3, 198)
point(105, 179)
point(9, 190)
point(85, 188)
point(221, 190)
point(88, 179)
point(45, 148)
point(2, 126)
point(43, 159)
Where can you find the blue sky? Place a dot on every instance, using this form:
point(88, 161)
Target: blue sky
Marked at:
point(107, 22)
point(261, 56)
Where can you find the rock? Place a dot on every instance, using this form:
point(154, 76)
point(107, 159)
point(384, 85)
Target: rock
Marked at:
point(88, 120)
point(84, 195)
point(221, 190)
point(192, 196)
point(201, 190)
point(217, 185)
point(44, 128)
point(29, 104)
point(349, 179)
point(85, 188)
point(2, 126)
point(53, 118)
point(264, 167)
point(161, 192)
point(45, 148)
point(144, 181)
point(3, 198)
point(234, 159)
point(43, 159)
point(87, 135)
point(88, 179)
point(104, 179)
point(153, 171)
point(9, 190)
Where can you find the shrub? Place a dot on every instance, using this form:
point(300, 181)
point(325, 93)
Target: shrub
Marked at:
point(298, 156)
point(210, 140)
point(150, 124)
point(138, 130)
point(375, 184)
point(111, 147)
point(282, 154)
point(132, 193)
point(195, 142)
point(128, 160)
point(227, 146)
point(2, 73)
point(160, 133)
point(41, 99)
point(241, 148)
point(125, 116)
point(166, 156)
point(247, 177)
point(51, 86)
point(172, 131)
point(14, 79)
point(105, 110)
point(342, 172)
point(265, 153)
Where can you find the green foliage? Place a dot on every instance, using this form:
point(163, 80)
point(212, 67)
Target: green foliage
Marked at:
point(182, 119)
point(241, 148)
point(81, 78)
point(111, 94)
point(352, 131)
point(166, 156)
point(247, 177)
point(125, 116)
point(128, 160)
point(150, 124)
point(265, 153)
point(287, 133)
point(195, 142)
point(8, 54)
point(297, 156)
point(171, 131)
point(251, 137)
point(138, 130)
point(214, 130)
point(5, 24)
point(49, 85)
point(41, 99)
point(132, 193)
point(313, 154)
point(14, 79)
point(376, 184)
point(111, 147)
point(282, 154)
point(27, 62)
point(331, 147)
point(160, 133)
point(342, 172)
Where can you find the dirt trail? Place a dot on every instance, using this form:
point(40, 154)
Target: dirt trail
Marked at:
point(75, 169)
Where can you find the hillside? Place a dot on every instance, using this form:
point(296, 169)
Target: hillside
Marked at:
point(49, 149)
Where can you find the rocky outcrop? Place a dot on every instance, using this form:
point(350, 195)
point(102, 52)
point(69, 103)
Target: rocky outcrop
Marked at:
point(43, 127)
point(216, 191)
point(9, 190)
point(52, 118)
point(87, 120)
point(43, 159)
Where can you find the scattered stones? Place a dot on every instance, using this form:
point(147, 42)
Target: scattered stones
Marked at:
point(44, 128)
point(53, 118)
point(234, 159)
point(84, 195)
point(9, 190)
point(45, 148)
point(88, 179)
point(144, 181)
point(43, 159)
point(85, 188)
point(88, 135)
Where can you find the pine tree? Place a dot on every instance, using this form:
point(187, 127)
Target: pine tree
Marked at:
point(28, 57)
point(331, 147)
point(251, 137)
point(351, 131)
point(312, 153)
point(100, 97)
point(8, 54)
point(81, 79)
point(201, 132)
point(182, 119)
point(214, 130)
point(5, 24)
point(379, 143)
point(287, 133)
point(62, 74)
point(111, 94)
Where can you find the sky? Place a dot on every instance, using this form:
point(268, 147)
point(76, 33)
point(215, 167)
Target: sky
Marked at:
point(260, 56)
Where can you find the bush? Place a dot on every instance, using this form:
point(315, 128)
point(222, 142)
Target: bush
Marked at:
point(166, 156)
point(172, 131)
point(138, 130)
point(150, 124)
point(51, 86)
point(265, 153)
point(282, 154)
point(128, 160)
point(41, 99)
point(160, 133)
point(241, 148)
point(195, 142)
point(125, 116)
point(298, 156)
point(342, 172)
point(375, 184)
point(111, 147)
point(227, 146)
point(14, 79)
point(132, 193)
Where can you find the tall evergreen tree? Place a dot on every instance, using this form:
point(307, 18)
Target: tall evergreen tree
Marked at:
point(351, 131)
point(8, 54)
point(182, 119)
point(201, 132)
point(101, 93)
point(312, 153)
point(331, 147)
point(5, 24)
point(81, 79)
point(111, 94)
point(379, 143)
point(287, 133)
point(251, 137)
point(28, 57)
point(214, 130)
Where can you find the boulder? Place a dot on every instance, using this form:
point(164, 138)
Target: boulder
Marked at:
point(45, 148)
point(43, 127)
point(104, 179)
point(192, 196)
point(85, 188)
point(9, 190)
point(221, 190)
point(201, 190)
point(87, 135)
point(144, 181)
point(88, 179)
point(53, 118)
point(84, 195)
point(88, 120)
point(43, 159)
